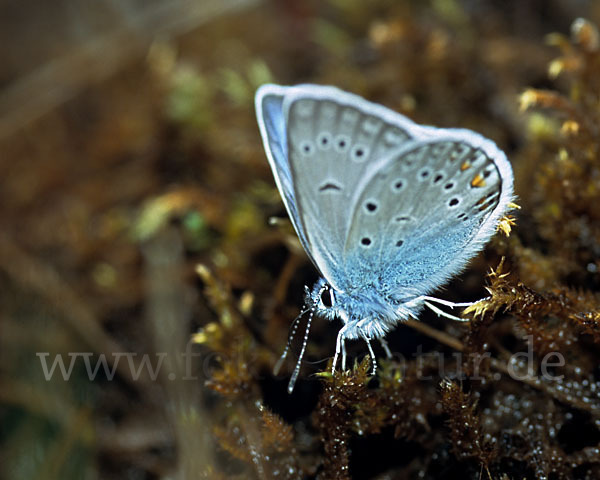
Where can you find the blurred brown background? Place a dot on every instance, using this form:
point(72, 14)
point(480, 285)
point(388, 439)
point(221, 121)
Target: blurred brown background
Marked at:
point(129, 155)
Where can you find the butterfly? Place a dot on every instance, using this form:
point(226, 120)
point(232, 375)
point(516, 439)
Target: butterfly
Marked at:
point(387, 210)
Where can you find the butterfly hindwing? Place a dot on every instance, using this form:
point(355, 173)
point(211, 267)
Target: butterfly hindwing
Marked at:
point(425, 211)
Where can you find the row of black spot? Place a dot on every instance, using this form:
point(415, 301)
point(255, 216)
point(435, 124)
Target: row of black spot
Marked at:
point(366, 241)
point(358, 152)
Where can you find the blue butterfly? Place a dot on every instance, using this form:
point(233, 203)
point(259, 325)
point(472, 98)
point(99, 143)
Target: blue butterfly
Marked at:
point(387, 210)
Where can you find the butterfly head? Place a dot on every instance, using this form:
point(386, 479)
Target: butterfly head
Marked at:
point(322, 300)
point(365, 311)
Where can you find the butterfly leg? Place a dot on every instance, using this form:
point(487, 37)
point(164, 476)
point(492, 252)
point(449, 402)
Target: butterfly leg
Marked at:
point(429, 302)
point(343, 354)
point(447, 303)
point(340, 346)
point(441, 313)
point(372, 355)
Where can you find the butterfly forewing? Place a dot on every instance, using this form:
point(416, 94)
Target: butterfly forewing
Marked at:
point(424, 212)
point(272, 124)
point(333, 142)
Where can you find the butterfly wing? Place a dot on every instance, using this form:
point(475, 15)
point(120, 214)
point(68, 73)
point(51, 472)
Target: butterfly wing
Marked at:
point(333, 140)
point(425, 211)
point(272, 125)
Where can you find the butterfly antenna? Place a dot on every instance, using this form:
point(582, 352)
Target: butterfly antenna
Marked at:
point(299, 362)
point(305, 340)
point(291, 334)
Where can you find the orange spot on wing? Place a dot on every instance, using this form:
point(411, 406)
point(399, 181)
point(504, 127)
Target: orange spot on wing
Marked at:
point(465, 165)
point(478, 181)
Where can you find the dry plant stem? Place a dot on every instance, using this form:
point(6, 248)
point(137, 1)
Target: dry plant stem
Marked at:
point(168, 318)
point(441, 337)
point(501, 367)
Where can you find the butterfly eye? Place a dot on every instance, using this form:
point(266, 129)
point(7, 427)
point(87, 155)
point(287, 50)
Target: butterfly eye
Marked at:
point(327, 298)
point(342, 143)
point(307, 148)
point(324, 141)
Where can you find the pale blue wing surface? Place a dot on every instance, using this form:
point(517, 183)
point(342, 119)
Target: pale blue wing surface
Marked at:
point(424, 212)
point(334, 139)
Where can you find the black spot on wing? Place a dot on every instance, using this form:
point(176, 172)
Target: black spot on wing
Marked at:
point(330, 186)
